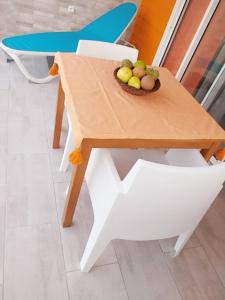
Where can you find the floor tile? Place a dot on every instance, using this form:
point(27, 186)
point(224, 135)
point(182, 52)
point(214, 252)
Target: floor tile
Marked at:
point(195, 277)
point(26, 129)
point(75, 237)
point(27, 135)
point(4, 103)
point(3, 152)
point(4, 76)
point(25, 99)
point(2, 231)
point(2, 57)
point(102, 283)
point(3, 157)
point(211, 233)
point(145, 271)
point(219, 203)
point(49, 96)
point(3, 136)
point(37, 67)
point(15, 75)
point(30, 190)
point(34, 265)
point(55, 159)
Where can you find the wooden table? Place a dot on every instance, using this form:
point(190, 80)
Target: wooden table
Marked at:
point(104, 116)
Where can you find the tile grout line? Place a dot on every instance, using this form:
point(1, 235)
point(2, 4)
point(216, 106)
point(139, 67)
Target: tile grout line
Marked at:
point(121, 273)
point(54, 193)
point(6, 196)
point(212, 265)
point(209, 261)
point(94, 267)
point(189, 247)
point(31, 225)
point(172, 277)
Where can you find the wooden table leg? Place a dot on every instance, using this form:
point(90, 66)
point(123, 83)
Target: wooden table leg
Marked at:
point(75, 186)
point(208, 153)
point(58, 117)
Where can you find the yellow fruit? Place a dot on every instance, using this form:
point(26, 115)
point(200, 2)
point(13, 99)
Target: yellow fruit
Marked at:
point(124, 74)
point(147, 83)
point(135, 82)
point(139, 72)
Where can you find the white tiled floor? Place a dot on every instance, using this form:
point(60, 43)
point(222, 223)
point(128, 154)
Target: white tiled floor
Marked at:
point(40, 260)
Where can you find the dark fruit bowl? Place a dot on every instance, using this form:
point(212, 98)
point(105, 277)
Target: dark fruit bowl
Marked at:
point(133, 91)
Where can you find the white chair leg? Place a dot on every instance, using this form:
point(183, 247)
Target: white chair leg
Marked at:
point(181, 241)
point(26, 73)
point(97, 242)
point(68, 148)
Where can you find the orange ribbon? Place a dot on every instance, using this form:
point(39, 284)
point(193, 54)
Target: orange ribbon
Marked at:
point(75, 157)
point(53, 71)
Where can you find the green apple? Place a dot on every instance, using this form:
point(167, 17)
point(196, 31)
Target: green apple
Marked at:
point(135, 82)
point(140, 64)
point(124, 74)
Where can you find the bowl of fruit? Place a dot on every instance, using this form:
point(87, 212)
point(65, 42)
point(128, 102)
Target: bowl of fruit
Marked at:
point(137, 79)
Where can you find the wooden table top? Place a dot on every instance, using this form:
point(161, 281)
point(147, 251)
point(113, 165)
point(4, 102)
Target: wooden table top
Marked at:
point(101, 110)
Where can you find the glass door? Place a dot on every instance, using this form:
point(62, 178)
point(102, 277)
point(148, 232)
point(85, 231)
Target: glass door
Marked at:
point(208, 58)
point(214, 100)
point(204, 77)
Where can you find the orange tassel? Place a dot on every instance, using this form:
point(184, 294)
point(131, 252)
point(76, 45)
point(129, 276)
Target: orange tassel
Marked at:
point(220, 154)
point(75, 157)
point(53, 71)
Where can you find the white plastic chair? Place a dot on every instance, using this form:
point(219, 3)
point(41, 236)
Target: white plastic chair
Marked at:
point(154, 200)
point(99, 50)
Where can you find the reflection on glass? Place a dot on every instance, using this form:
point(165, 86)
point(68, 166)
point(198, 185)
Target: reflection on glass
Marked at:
point(211, 73)
point(208, 57)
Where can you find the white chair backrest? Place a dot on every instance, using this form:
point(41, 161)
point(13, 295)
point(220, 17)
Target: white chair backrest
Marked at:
point(106, 50)
point(165, 200)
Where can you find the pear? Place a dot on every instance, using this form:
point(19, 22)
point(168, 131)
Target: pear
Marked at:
point(134, 82)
